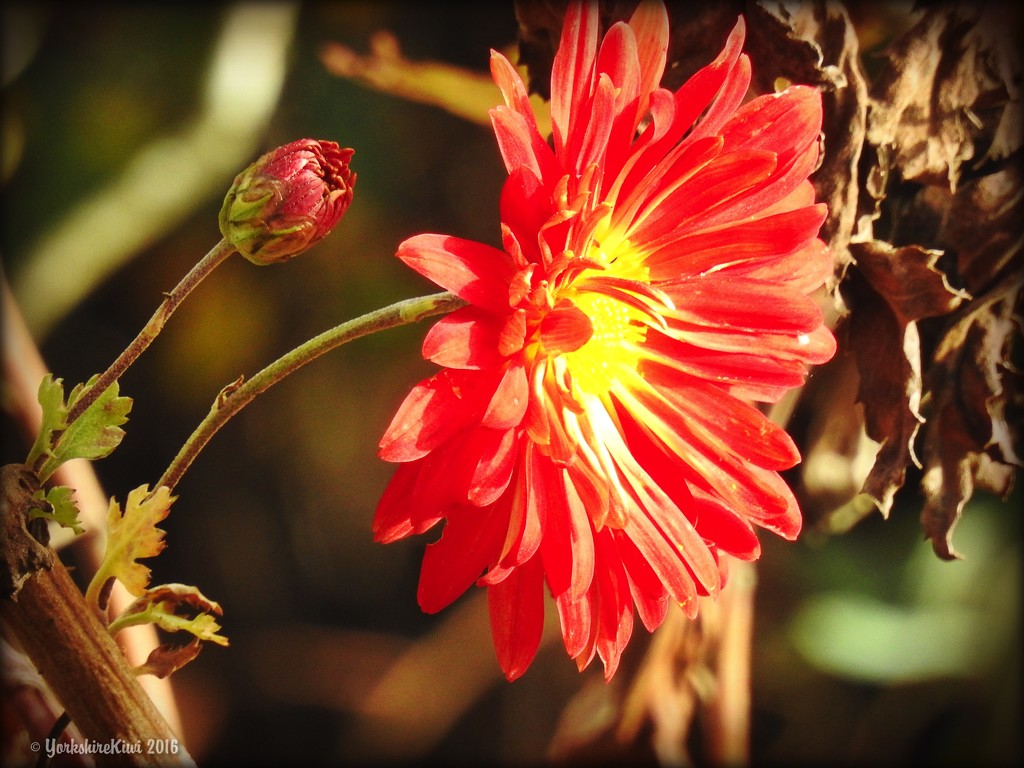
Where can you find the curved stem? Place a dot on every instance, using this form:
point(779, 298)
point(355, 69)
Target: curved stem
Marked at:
point(156, 323)
point(237, 395)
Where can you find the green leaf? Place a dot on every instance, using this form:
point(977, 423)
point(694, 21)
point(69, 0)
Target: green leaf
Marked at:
point(95, 433)
point(55, 416)
point(161, 606)
point(62, 508)
point(204, 626)
point(131, 536)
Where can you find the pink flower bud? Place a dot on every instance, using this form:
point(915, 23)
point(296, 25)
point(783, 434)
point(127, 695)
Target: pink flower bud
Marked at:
point(287, 200)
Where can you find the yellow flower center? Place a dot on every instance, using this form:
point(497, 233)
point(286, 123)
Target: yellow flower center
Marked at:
point(618, 327)
point(612, 349)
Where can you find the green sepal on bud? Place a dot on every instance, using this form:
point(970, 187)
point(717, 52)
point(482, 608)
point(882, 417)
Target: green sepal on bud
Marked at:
point(288, 200)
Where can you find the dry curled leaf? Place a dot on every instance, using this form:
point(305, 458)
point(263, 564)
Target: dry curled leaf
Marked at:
point(941, 104)
point(934, 299)
point(973, 417)
point(166, 659)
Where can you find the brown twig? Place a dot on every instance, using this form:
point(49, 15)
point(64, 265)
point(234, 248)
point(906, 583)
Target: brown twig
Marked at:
point(45, 611)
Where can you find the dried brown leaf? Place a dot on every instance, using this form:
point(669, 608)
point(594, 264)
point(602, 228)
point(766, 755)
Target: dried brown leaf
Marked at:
point(888, 354)
point(945, 77)
point(972, 404)
point(944, 237)
point(166, 659)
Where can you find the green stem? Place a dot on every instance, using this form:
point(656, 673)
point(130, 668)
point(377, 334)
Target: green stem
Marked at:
point(131, 620)
point(156, 323)
point(237, 395)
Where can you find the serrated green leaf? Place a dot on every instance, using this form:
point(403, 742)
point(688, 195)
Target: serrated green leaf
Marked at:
point(95, 433)
point(131, 536)
point(55, 415)
point(62, 508)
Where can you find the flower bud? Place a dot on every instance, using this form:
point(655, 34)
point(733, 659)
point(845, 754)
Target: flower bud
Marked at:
point(287, 200)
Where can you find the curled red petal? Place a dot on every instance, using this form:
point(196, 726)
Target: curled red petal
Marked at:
point(565, 328)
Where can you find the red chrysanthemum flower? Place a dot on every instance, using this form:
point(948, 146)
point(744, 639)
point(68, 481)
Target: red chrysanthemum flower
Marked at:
point(592, 429)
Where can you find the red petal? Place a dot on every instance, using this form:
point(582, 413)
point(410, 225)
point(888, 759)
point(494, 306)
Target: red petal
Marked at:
point(594, 141)
point(716, 185)
point(516, 608)
point(734, 90)
point(790, 175)
point(650, 28)
point(525, 206)
point(740, 304)
point(508, 404)
point(692, 253)
point(663, 559)
point(530, 500)
point(648, 592)
point(473, 271)
point(512, 336)
point(742, 486)
point(673, 171)
point(493, 470)
point(518, 138)
point(565, 328)
point(469, 543)
point(750, 370)
point(519, 143)
point(568, 544)
point(689, 101)
point(619, 60)
point(792, 350)
point(616, 605)
point(729, 531)
point(442, 477)
point(804, 270)
point(668, 537)
point(467, 338)
point(572, 71)
point(779, 122)
point(391, 520)
point(512, 88)
point(787, 522)
point(732, 425)
point(578, 626)
point(433, 411)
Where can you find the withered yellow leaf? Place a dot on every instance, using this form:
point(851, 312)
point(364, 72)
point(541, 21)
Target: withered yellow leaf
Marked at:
point(132, 535)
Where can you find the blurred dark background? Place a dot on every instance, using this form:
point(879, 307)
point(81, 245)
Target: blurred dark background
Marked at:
point(868, 650)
